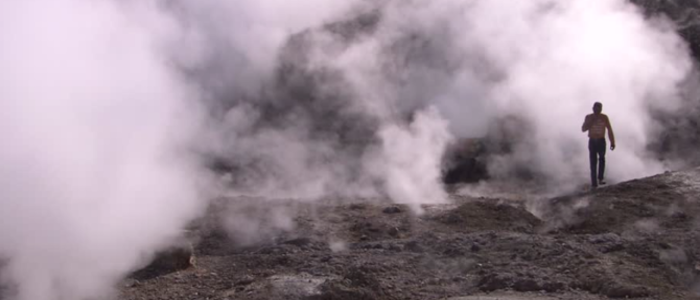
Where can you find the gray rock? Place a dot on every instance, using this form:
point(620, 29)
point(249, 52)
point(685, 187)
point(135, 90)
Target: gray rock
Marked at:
point(176, 258)
point(392, 210)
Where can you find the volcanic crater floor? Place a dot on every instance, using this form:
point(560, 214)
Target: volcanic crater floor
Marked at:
point(638, 239)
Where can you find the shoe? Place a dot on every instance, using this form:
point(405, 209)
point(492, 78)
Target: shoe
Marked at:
point(602, 182)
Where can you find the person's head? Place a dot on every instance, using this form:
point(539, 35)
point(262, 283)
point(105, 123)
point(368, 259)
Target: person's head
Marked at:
point(597, 107)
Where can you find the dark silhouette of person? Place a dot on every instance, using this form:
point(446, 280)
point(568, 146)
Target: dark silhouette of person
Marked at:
point(596, 125)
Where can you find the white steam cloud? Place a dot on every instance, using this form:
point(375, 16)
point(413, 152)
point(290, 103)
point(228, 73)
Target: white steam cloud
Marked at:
point(95, 128)
point(541, 63)
point(103, 100)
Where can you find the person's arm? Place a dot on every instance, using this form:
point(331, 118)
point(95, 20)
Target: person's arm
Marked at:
point(586, 124)
point(611, 135)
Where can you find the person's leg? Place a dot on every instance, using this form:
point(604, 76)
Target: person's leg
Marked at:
point(601, 161)
point(592, 155)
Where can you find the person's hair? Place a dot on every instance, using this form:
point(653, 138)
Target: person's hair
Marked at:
point(597, 107)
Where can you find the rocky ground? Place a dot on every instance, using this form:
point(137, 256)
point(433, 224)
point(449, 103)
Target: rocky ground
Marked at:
point(638, 239)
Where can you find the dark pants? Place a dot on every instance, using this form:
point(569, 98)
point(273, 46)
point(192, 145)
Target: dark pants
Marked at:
point(596, 151)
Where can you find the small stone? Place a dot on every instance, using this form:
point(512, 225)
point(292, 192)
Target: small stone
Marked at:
point(130, 283)
point(475, 248)
point(357, 206)
point(246, 280)
point(394, 232)
point(392, 210)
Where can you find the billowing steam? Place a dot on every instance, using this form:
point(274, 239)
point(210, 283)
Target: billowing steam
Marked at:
point(104, 102)
point(311, 122)
point(96, 129)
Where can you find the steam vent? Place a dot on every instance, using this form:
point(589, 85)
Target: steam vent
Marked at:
point(350, 150)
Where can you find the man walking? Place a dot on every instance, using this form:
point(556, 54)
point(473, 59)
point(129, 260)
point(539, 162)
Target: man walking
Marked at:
point(596, 125)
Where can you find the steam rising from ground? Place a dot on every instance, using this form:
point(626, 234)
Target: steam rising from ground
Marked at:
point(310, 125)
point(545, 63)
point(95, 128)
point(97, 109)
